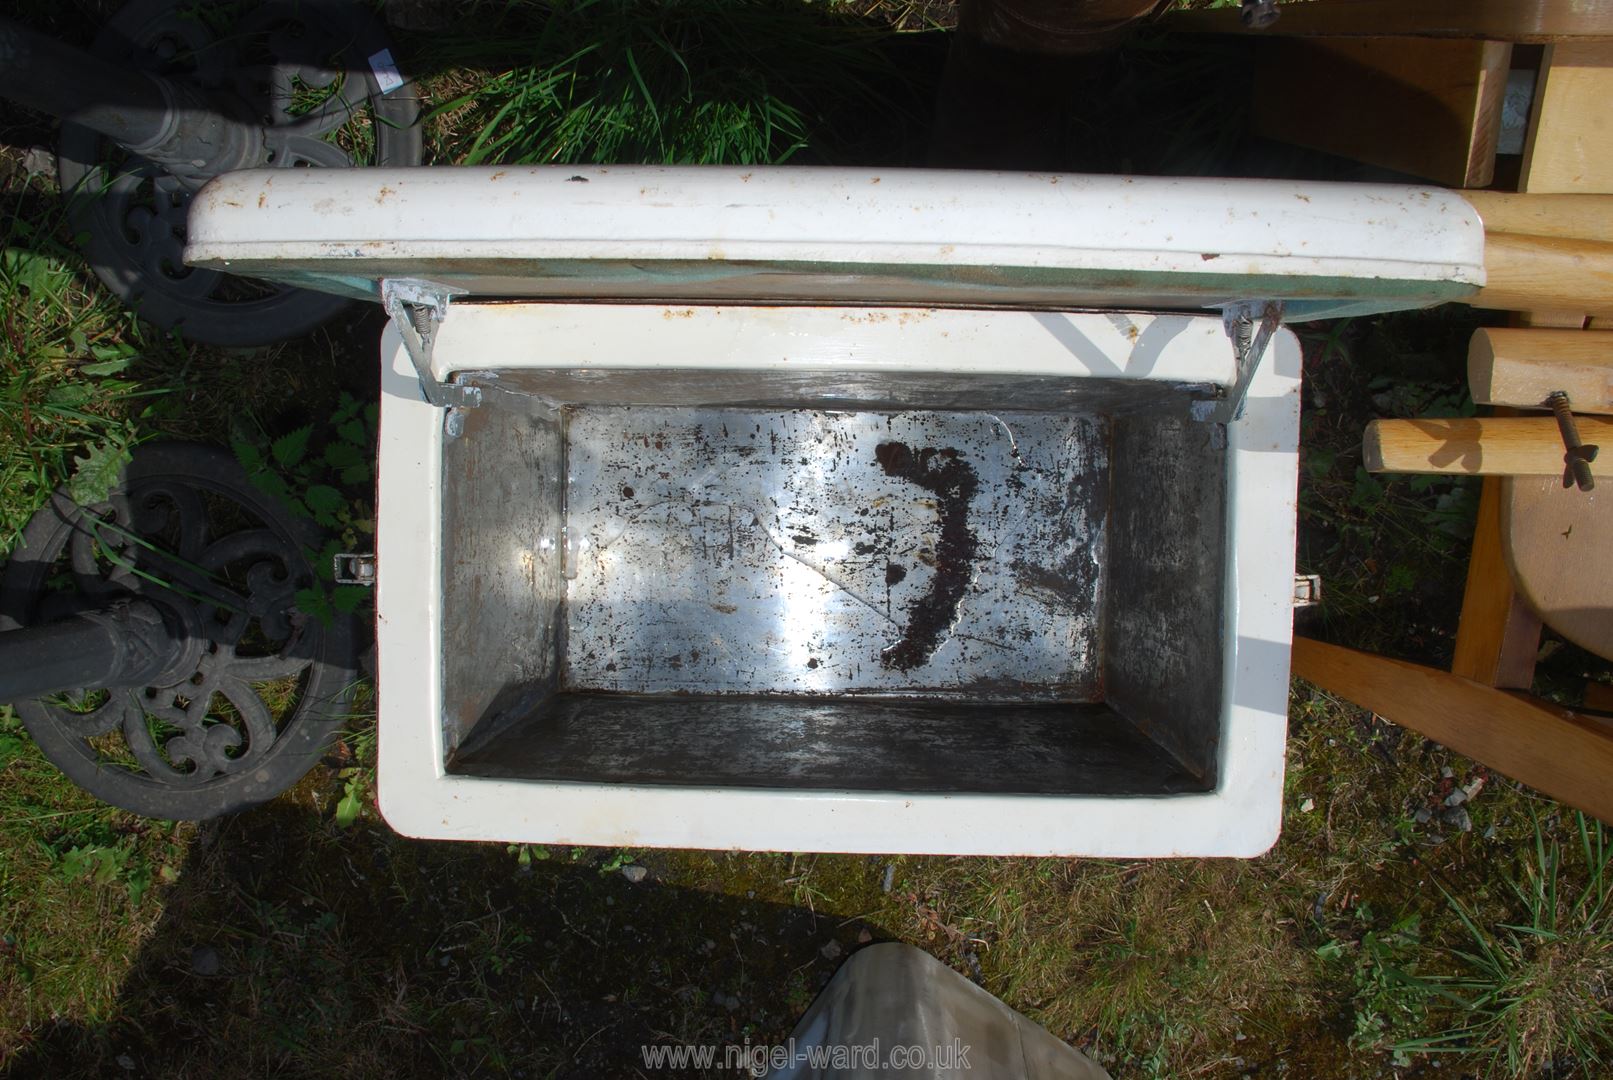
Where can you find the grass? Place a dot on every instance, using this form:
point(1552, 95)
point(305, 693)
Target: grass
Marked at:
point(1153, 963)
point(739, 82)
point(1537, 991)
point(67, 936)
point(64, 349)
point(305, 938)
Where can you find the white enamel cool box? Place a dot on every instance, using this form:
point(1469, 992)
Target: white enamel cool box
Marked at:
point(835, 510)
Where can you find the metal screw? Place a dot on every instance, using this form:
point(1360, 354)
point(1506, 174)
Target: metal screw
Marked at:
point(1577, 457)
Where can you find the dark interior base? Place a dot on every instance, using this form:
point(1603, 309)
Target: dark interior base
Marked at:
point(858, 745)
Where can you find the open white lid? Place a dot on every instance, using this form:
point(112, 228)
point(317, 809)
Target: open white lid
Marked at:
point(850, 236)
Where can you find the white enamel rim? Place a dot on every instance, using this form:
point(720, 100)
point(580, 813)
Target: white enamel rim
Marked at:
point(519, 230)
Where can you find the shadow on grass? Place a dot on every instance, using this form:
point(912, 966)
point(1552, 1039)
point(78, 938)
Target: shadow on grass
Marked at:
point(288, 947)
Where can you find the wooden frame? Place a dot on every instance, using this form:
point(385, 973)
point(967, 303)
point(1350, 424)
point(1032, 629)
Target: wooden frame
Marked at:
point(1335, 95)
point(1560, 753)
point(1497, 636)
point(1523, 21)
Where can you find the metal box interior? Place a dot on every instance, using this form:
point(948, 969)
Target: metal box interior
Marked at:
point(831, 580)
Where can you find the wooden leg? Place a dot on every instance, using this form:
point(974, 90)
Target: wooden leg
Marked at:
point(1497, 637)
point(1568, 149)
point(1555, 751)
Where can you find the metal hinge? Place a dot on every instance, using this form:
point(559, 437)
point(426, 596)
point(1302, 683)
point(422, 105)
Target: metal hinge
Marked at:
point(1250, 324)
point(417, 308)
point(353, 568)
point(1307, 590)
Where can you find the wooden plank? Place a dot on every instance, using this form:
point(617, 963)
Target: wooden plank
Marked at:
point(1554, 320)
point(1333, 95)
point(1497, 636)
point(1533, 21)
point(1552, 165)
point(1528, 273)
point(1557, 544)
point(1570, 144)
point(1565, 756)
point(1522, 367)
point(1480, 446)
point(1599, 696)
point(1570, 216)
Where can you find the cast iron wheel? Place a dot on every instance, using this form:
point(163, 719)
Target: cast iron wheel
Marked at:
point(187, 529)
point(300, 69)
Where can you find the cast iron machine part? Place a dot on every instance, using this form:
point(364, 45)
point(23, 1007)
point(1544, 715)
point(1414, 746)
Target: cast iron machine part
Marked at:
point(171, 94)
point(153, 646)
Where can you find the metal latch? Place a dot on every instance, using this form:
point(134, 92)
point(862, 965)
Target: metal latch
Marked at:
point(416, 308)
point(353, 568)
point(1250, 324)
point(1307, 590)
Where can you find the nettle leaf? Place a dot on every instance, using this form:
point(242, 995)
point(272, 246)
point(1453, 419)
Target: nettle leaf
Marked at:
point(96, 472)
point(312, 603)
point(353, 432)
point(1368, 490)
point(340, 455)
point(348, 598)
point(324, 500)
point(99, 864)
point(248, 455)
point(324, 560)
point(346, 408)
point(290, 449)
point(356, 474)
point(76, 863)
point(271, 483)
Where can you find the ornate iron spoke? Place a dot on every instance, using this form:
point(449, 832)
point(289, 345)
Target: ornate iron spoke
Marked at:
point(260, 732)
point(108, 716)
point(204, 742)
point(256, 669)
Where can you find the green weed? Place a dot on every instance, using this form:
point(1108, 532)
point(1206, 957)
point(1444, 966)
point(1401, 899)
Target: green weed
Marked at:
point(67, 409)
point(1391, 548)
point(328, 479)
point(740, 82)
point(79, 889)
point(527, 854)
point(102, 865)
point(1535, 992)
point(1389, 999)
